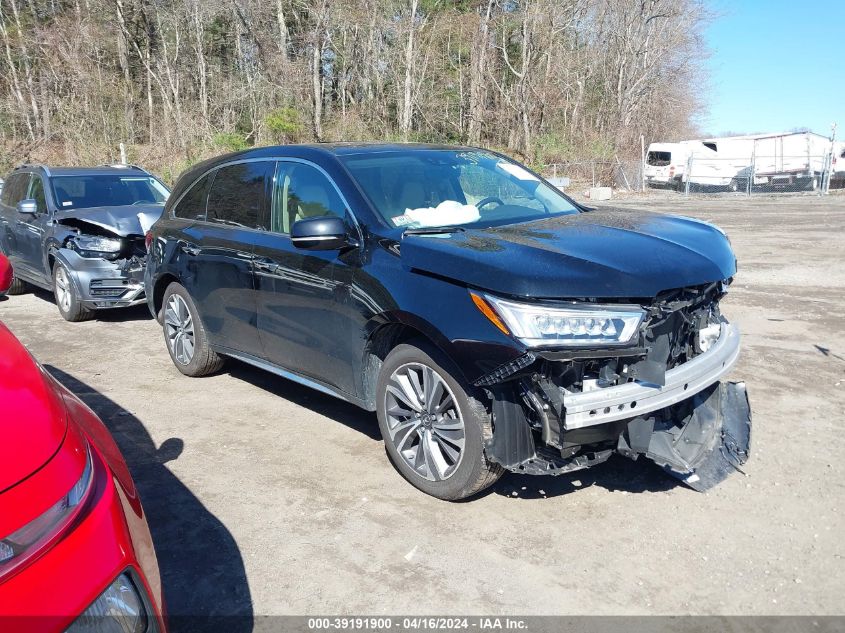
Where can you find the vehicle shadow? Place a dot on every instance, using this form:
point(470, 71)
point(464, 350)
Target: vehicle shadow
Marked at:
point(117, 315)
point(347, 414)
point(202, 571)
point(618, 474)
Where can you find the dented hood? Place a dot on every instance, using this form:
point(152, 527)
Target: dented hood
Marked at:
point(127, 220)
point(605, 254)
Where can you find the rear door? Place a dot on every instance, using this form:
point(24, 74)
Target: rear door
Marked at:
point(217, 250)
point(299, 322)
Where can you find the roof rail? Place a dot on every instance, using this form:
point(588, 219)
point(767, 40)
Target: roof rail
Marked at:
point(30, 165)
point(124, 166)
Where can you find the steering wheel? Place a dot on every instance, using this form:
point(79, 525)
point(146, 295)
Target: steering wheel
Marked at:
point(488, 200)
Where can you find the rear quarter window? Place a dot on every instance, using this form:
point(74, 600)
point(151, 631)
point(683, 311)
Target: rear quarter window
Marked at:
point(659, 159)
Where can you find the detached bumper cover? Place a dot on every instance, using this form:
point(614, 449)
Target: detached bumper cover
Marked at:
point(636, 399)
point(712, 442)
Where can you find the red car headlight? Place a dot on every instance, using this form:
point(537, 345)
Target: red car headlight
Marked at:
point(27, 541)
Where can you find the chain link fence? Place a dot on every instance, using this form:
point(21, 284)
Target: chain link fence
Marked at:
point(626, 175)
point(741, 167)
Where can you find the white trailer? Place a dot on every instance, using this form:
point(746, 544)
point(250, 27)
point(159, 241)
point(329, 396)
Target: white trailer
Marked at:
point(793, 160)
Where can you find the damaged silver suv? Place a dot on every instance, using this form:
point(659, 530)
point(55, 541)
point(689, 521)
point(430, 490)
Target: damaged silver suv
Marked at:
point(80, 232)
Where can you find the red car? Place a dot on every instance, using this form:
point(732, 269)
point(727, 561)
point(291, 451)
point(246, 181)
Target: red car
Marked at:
point(5, 275)
point(75, 548)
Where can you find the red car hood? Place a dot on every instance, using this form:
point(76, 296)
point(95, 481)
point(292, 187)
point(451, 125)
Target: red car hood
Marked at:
point(33, 422)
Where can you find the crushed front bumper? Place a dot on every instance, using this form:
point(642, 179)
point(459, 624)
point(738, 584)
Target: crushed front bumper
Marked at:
point(694, 426)
point(103, 284)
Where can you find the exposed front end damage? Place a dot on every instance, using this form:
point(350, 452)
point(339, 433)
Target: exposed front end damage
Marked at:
point(661, 397)
point(106, 264)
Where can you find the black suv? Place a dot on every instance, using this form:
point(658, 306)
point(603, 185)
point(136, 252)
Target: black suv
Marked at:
point(79, 231)
point(491, 322)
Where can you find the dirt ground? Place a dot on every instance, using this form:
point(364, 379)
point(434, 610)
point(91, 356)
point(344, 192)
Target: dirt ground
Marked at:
point(267, 498)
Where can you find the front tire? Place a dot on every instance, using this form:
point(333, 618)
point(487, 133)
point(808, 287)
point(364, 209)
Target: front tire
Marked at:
point(184, 334)
point(434, 428)
point(67, 298)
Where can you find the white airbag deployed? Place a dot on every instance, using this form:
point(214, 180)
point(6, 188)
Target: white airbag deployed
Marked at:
point(447, 213)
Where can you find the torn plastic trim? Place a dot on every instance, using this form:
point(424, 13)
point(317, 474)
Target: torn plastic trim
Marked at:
point(703, 448)
point(505, 371)
point(608, 404)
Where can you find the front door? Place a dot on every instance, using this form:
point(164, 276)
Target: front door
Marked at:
point(298, 290)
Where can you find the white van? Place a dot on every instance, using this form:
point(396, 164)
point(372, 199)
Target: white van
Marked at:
point(665, 163)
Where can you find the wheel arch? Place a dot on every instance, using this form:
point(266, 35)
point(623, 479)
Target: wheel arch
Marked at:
point(160, 286)
point(385, 334)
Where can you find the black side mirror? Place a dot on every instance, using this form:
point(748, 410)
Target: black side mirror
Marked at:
point(28, 206)
point(327, 233)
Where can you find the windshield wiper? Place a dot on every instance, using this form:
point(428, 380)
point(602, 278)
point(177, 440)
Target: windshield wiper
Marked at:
point(434, 230)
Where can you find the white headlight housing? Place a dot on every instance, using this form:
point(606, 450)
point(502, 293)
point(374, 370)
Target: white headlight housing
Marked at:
point(95, 244)
point(569, 325)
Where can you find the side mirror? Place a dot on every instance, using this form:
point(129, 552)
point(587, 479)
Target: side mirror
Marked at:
point(327, 233)
point(28, 206)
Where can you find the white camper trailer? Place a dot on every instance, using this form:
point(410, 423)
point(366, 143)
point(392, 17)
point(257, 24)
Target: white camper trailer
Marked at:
point(772, 161)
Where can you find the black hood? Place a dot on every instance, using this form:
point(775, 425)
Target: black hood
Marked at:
point(602, 254)
point(127, 220)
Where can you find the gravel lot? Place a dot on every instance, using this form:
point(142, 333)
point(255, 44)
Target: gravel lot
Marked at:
point(282, 500)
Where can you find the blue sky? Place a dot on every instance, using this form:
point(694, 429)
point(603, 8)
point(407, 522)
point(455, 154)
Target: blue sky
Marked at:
point(776, 65)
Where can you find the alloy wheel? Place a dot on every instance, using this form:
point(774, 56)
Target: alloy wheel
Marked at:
point(424, 422)
point(179, 329)
point(63, 289)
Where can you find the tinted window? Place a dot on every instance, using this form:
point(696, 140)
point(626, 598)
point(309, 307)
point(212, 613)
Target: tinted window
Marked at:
point(303, 192)
point(36, 192)
point(15, 189)
point(192, 204)
point(238, 192)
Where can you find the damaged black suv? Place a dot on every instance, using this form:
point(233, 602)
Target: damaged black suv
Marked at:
point(491, 322)
point(79, 231)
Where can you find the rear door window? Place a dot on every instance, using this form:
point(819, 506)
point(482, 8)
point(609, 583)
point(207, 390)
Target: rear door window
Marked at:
point(193, 203)
point(15, 189)
point(238, 194)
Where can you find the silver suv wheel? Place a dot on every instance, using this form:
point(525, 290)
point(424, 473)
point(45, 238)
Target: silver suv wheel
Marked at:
point(424, 422)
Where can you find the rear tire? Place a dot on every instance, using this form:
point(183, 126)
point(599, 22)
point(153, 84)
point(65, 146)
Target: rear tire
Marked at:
point(434, 427)
point(18, 287)
point(184, 334)
point(67, 298)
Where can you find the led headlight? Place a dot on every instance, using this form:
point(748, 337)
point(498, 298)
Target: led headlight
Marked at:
point(26, 541)
point(97, 245)
point(568, 325)
point(119, 609)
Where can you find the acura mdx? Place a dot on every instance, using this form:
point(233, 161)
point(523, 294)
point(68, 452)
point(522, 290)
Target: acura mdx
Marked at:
point(491, 322)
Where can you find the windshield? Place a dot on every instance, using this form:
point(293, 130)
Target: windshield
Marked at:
point(433, 188)
point(82, 192)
